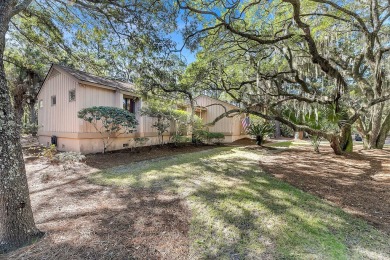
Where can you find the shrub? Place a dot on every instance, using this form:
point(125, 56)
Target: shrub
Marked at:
point(216, 138)
point(200, 136)
point(109, 122)
point(30, 129)
point(260, 131)
point(49, 152)
point(138, 141)
point(70, 157)
point(179, 139)
point(204, 136)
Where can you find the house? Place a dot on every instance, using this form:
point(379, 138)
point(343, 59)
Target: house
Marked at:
point(66, 91)
point(208, 108)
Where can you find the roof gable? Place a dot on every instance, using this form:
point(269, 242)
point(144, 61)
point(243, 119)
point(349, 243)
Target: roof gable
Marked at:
point(90, 78)
point(84, 77)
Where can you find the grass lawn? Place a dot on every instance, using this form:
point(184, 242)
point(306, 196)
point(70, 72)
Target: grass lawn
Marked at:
point(240, 212)
point(288, 144)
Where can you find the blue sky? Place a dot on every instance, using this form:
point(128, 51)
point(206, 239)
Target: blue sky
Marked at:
point(189, 56)
point(178, 38)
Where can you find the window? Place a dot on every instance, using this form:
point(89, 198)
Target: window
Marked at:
point(129, 104)
point(40, 103)
point(72, 95)
point(53, 100)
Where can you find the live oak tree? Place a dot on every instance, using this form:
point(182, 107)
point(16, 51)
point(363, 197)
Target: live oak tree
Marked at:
point(278, 56)
point(94, 35)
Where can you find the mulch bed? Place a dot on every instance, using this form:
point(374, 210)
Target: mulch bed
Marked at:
point(126, 156)
point(358, 182)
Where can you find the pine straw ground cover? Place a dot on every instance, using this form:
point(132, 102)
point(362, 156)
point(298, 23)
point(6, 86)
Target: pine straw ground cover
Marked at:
point(359, 182)
point(240, 212)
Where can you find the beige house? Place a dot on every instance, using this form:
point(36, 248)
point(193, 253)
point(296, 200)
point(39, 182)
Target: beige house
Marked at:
point(66, 91)
point(208, 108)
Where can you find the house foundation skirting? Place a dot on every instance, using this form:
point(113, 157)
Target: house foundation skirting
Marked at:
point(93, 144)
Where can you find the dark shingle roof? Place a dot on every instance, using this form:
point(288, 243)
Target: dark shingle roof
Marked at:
point(87, 77)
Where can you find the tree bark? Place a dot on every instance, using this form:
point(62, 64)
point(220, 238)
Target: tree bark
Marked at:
point(277, 129)
point(17, 226)
point(192, 120)
point(346, 142)
point(385, 128)
point(335, 144)
point(377, 111)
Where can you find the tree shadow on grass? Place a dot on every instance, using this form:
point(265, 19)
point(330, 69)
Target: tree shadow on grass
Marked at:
point(241, 213)
point(349, 181)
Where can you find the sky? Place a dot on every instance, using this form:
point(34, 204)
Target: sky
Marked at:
point(188, 55)
point(178, 38)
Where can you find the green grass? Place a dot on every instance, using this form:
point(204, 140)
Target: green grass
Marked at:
point(280, 144)
point(288, 144)
point(239, 212)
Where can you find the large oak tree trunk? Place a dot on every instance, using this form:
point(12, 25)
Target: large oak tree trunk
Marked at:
point(335, 144)
point(17, 225)
point(377, 111)
point(385, 128)
point(346, 142)
point(376, 139)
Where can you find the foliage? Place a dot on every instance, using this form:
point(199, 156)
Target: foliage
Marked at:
point(204, 136)
point(166, 115)
point(162, 114)
point(139, 141)
point(69, 157)
point(179, 139)
point(200, 136)
point(260, 131)
point(30, 128)
point(49, 152)
point(109, 121)
point(315, 141)
point(215, 137)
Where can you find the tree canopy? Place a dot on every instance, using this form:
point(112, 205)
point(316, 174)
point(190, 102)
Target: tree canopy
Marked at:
point(287, 60)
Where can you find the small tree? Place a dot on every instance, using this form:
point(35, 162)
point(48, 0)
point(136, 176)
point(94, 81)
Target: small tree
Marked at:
point(164, 117)
point(109, 122)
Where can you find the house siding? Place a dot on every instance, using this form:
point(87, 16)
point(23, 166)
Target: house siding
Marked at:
point(61, 117)
point(228, 126)
point(94, 96)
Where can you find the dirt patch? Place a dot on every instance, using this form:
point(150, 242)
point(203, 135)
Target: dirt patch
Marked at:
point(358, 182)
